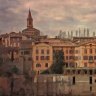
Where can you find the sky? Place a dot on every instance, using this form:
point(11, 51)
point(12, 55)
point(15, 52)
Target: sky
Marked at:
point(50, 16)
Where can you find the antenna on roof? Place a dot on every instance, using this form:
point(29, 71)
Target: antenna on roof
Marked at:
point(79, 32)
point(76, 33)
point(88, 32)
point(93, 34)
point(84, 32)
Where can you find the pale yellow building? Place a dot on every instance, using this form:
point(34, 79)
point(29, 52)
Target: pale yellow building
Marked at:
point(86, 54)
point(42, 56)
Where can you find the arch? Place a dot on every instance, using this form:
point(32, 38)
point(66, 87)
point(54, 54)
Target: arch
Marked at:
point(38, 65)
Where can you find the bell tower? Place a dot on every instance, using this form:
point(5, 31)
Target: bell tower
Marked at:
point(29, 20)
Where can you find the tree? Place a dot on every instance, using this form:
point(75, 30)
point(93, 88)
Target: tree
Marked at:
point(58, 62)
point(45, 72)
point(15, 70)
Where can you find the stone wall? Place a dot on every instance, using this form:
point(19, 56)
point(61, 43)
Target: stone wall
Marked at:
point(50, 85)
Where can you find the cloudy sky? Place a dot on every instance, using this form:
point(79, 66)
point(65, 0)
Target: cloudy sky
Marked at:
point(49, 16)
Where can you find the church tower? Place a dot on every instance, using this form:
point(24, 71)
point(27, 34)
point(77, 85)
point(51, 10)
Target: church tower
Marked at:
point(29, 20)
point(30, 32)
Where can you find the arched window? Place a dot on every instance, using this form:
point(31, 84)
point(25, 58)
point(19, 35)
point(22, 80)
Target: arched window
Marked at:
point(38, 65)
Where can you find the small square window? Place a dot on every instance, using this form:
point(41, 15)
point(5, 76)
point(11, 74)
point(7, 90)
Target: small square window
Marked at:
point(42, 57)
point(90, 51)
point(47, 57)
point(47, 51)
point(42, 51)
point(85, 64)
point(37, 58)
point(66, 51)
point(85, 51)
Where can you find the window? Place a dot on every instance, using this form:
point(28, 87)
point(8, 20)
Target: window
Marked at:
point(70, 57)
point(90, 51)
point(90, 72)
point(85, 64)
point(38, 72)
point(26, 52)
point(47, 57)
point(90, 80)
point(70, 51)
point(94, 57)
point(66, 51)
point(85, 51)
point(90, 88)
point(85, 57)
point(46, 65)
point(37, 58)
point(85, 71)
point(74, 80)
point(38, 65)
point(42, 51)
point(79, 71)
point(42, 57)
point(48, 52)
point(37, 51)
point(90, 57)
point(94, 71)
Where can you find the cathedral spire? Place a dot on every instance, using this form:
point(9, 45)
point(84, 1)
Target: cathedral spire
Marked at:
point(29, 20)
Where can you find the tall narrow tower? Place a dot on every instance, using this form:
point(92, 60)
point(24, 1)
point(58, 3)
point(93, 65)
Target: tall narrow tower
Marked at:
point(29, 20)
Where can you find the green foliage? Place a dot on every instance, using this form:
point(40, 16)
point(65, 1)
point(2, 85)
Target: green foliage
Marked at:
point(45, 72)
point(15, 70)
point(58, 63)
